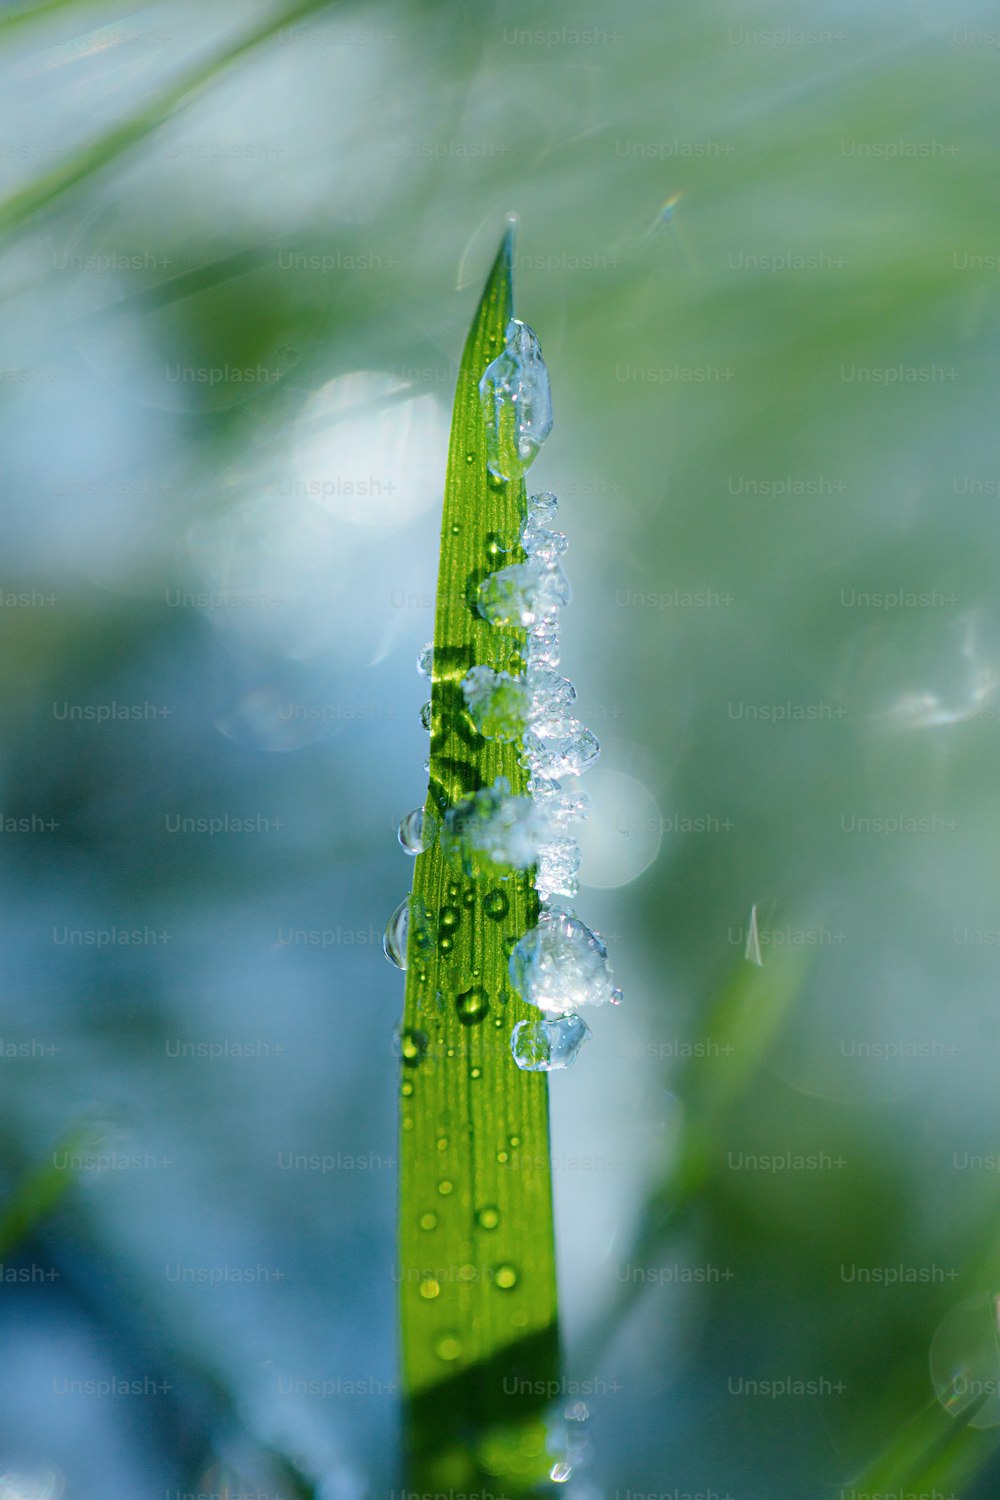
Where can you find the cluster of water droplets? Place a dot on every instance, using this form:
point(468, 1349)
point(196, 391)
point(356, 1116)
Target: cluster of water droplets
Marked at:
point(560, 965)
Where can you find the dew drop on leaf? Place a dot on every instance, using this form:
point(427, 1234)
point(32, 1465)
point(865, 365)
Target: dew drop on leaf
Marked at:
point(448, 1346)
point(418, 830)
point(428, 1221)
point(412, 1046)
point(394, 938)
point(472, 1005)
point(488, 1217)
point(505, 1277)
point(496, 905)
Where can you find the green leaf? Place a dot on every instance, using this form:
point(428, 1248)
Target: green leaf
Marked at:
point(480, 1351)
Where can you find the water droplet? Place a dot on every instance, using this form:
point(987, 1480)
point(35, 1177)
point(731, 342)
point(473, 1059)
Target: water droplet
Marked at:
point(516, 403)
point(496, 905)
point(488, 1217)
point(425, 661)
point(408, 1122)
point(418, 830)
point(523, 593)
point(412, 1046)
point(514, 1141)
point(428, 1221)
point(445, 1187)
point(396, 930)
point(406, 1087)
point(453, 889)
point(494, 545)
point(448, 1346)
point(429, 1288)
point(498, 704)
point(616, 997)
point(505, 1277)
point(470, 458)
point(561, 964)
point(469, 899)
point(475, 1072)
point(546, 1045)
point(449, 918)
point(446, 943)
point(426, 714)
point(442, 1143)
point(472, 1005)
point(456, 528)
point(502, 1157)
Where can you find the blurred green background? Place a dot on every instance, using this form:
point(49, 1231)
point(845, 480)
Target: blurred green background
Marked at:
point(241, 247)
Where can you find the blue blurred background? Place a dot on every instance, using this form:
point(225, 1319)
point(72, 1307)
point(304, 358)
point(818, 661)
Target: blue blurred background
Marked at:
point(241, 247)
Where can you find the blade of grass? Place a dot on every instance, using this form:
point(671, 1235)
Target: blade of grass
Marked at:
point(41, 1189)
point(480, 1352)
point(930, 1455)
point(49, 186)
point(742, 1022)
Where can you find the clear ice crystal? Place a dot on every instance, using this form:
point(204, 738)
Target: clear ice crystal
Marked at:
point(425, 661)
point(543, 643)
point(552, 697)
point(493, 832)
point(498, 703)
point(569, 752)
point(561, 965)
point(516, 403)
point(558, 864)
point(543, 1046)
point(523, 593)
point(542, 507)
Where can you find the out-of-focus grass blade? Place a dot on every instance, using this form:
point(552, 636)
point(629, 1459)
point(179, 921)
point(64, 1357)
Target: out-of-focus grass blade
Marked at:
point(930, 1455)
point(477, 1266)
point(41, 1189)
point(741, 1025)
point(49, 186)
